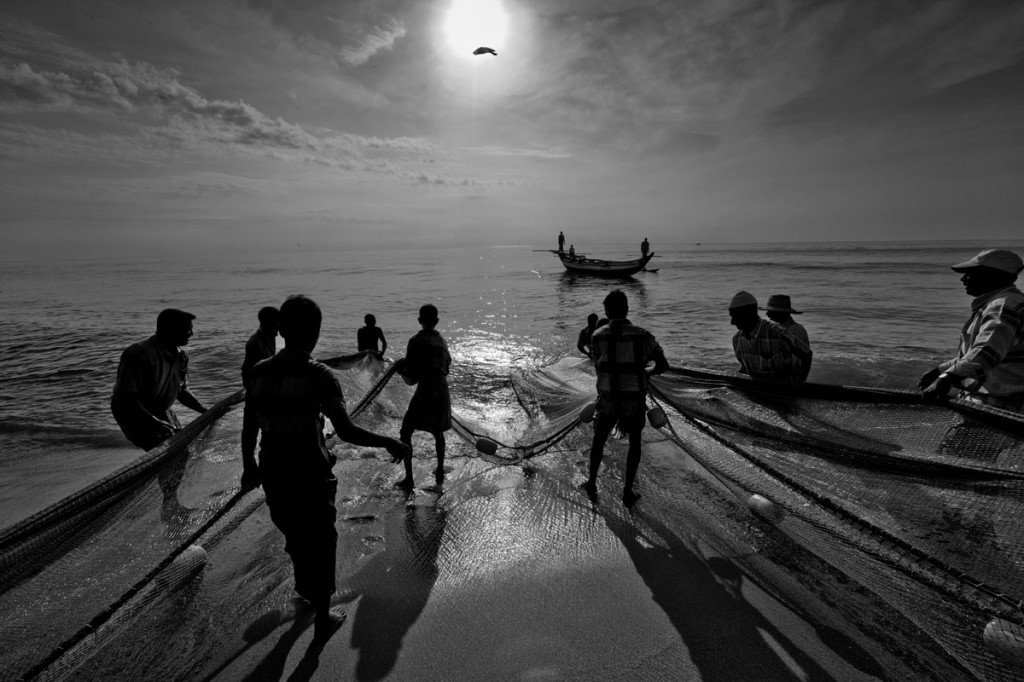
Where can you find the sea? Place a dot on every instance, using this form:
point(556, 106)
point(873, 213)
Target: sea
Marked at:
point(878, 314)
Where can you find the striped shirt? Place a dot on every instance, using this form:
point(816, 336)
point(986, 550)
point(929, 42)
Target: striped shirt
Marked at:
point(621, 352)
point(288, 397)
point(767, 353)
point(990, 360)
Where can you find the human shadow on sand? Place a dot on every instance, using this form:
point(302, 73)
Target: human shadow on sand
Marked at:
point(394, 587)
point(703, 600)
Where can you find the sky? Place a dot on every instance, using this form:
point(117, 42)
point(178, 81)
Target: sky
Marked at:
point(205, 126)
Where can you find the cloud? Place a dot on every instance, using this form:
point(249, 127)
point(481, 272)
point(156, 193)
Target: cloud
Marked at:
point(379, 38)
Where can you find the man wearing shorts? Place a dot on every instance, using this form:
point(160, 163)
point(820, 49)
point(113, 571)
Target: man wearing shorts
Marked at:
point(622, 352)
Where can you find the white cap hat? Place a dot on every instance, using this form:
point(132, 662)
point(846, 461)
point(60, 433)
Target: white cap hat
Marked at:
point(997, 259)
point(742, 299)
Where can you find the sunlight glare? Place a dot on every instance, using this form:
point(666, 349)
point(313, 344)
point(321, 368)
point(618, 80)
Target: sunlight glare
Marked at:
point(475, 23)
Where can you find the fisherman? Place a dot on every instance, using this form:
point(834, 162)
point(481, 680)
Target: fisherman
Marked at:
point(780, 311)
point(572, 252)
point(151, 375)
point(367, 337)
point(426, 365)
point(989, 364)
point(261, 345)
point(621, 353)
point(561, 242)
point(763, 350)
point(583, 341)
point(290, 395)
point(645, 247)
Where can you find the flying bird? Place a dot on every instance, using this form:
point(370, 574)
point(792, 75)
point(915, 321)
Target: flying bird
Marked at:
point(485, 50)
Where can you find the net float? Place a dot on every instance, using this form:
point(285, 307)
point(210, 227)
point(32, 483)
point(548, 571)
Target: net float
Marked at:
point(486, 446)
point(764, 508)
point(1006, 641)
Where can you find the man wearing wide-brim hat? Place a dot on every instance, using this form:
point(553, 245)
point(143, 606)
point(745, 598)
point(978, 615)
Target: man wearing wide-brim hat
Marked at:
point(989, 365)
point(780, 311)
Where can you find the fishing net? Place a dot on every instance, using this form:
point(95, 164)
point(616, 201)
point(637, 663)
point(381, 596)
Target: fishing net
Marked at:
point(918, 503)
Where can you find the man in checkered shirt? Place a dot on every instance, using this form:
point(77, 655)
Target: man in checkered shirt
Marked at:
point(621, 353)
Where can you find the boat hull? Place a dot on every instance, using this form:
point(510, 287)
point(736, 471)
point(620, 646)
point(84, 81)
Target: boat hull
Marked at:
point(604, 268)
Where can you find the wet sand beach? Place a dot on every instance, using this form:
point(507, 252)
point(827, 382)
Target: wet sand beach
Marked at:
point(514, 574)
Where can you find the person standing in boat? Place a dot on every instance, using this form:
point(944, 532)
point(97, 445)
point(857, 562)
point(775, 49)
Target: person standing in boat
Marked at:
point(572, 252)
point(780, 311)
point(561, 242)
point(645, 247)
point(621, 353)
point(368, 336)
point(151, 376)
point(290, 395)
point(262, 344)
point(426, 365)
point(763, 350)
point(989, 364)
point(583, 340)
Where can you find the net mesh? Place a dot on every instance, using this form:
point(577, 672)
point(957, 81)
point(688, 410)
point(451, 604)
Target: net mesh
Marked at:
point(918, 503)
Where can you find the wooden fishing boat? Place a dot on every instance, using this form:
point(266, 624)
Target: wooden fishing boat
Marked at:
point(582, 265)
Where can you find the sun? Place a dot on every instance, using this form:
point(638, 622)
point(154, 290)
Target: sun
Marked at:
point(475, 23)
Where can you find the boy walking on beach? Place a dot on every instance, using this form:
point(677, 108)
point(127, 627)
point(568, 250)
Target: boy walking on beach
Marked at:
point(289, 395)
point(621, 353)
point(426, 365)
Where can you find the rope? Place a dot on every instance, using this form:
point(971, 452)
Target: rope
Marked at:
point(62, 518)
point(374, 391)
point(108, 612)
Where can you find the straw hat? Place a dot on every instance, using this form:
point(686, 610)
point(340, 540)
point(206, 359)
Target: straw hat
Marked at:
point(779, 303)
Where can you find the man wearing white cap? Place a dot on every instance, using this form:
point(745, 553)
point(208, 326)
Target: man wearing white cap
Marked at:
point(989, 365)
point(763, 350)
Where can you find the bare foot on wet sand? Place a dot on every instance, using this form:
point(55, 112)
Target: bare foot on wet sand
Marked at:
point(326, 625)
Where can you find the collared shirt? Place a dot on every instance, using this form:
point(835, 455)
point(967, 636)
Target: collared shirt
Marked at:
point(427, 357)
point(154, 373)
point(766, 352)
point(288, 397)
point(990, 360)
point(622, 351)
point(260, 346)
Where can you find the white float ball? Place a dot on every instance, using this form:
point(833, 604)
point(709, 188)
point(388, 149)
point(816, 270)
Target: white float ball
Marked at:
point(1006, 641)
point(764, 508)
